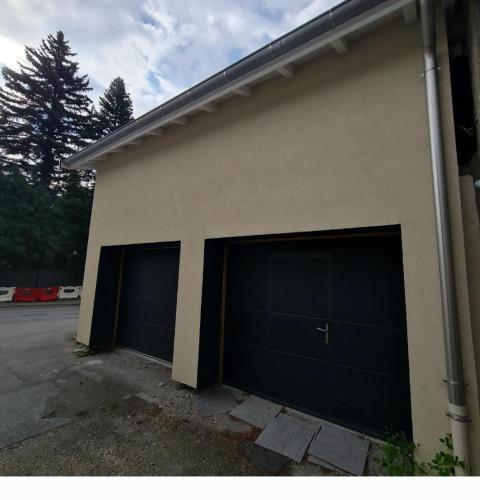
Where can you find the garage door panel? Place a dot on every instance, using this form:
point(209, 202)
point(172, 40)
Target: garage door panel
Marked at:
point(249, 368)
point(374, 404)
point(359, 378)
point(147, 309)
point(298, 336)
point(247, 325)
point(291, 262)
point(152, 286)
point(249, 274)
point(368, 287)
point(147, 338)
point(356, 302)
point(152, 273)
point(300, 296)
point(300, 381)
point(381, 350)
point(299, 283)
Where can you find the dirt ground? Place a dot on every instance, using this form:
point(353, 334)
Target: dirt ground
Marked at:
point(111, 413)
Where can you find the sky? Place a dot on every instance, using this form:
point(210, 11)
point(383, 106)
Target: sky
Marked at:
point(159, 47)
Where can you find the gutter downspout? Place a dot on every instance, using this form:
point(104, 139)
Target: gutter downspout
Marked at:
point(457, 407)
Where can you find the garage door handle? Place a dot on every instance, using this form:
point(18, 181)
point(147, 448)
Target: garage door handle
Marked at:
point(324, 330)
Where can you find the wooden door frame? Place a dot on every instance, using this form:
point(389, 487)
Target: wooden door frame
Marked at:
point(221, 355)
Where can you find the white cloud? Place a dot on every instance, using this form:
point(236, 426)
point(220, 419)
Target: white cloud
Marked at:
point(10, 51)
point(311, 10)
point(160, 47)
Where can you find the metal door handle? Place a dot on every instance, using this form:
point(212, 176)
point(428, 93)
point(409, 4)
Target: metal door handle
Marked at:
point(324, 330)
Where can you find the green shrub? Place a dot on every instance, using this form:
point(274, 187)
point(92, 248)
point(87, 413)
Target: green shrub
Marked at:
point(444, 463)
point(398, 458)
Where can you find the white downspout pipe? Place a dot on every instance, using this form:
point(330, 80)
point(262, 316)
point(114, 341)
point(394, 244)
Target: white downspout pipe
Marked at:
point(457, 408)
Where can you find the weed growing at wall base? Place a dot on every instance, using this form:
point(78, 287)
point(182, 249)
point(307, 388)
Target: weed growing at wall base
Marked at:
point(398, 458)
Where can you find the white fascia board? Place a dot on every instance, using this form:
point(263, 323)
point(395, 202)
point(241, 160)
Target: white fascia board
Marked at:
point(157, 131)
point(340, 32)
point(340, 45)
point(135, 142)
point(286, 71)
point(180, 120)
point(242, 91)
point(210, 108)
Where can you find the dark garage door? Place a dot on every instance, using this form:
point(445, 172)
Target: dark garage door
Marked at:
point(281, 295)
point(148, 300)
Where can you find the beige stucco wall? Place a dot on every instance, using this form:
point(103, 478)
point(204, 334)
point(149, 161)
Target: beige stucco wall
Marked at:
point(344, 144)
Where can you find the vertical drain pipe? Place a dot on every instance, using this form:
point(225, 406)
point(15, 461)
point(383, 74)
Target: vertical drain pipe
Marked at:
point(457, 408)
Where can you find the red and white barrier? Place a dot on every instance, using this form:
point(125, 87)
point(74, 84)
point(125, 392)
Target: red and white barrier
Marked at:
point(69, 292)
point(24, 294)
point(6, 293)
point(47, 294)
point(44, 294)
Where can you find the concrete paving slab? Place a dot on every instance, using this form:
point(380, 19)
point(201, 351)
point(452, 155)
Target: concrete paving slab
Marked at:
point(151, 400)
point(340, 448)
point(238, 394)
point(374, 461)
point(214, 401)
point(287, 435)
point(307, 468)
point(25, 404)
point(226, 424)
point(325, 465)
point(256, 411)
point(21, 413)
point(39, 370)
point(28, 429)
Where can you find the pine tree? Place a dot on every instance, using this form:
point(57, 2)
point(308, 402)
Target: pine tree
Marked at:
point(71, 220)
point(94, 126)
point(27, 232)
point(115, 107)
point(44, 112)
